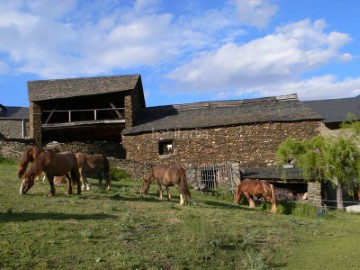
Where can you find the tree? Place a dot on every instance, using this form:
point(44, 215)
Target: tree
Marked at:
point(325, 158)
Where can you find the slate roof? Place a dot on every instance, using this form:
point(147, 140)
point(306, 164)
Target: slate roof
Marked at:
point(65, 88)
point(222, 113)
point(14, 113)
point(273, 173)
point(336, 110)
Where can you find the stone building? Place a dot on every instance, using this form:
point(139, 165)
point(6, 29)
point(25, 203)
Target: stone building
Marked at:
point(84, 109)
point(242, 133)
point(248, 131)
point(14, 122)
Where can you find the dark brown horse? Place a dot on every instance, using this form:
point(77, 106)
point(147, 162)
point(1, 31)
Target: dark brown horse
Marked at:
point(168, 176)
point(96, 165)
point(262, 188)
point(52, 164)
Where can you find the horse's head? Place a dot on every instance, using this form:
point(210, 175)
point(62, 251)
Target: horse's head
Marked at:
point(28, 182)
point(145, 186)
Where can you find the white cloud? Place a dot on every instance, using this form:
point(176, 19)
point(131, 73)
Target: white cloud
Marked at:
point(279, 57)
point(202, 52)
point(255, 12)
point(315, 88)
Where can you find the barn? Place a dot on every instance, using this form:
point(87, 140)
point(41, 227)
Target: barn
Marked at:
point(84, 109)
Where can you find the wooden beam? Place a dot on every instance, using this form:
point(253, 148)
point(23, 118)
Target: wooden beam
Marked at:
point(52, 112)
point(115, 109)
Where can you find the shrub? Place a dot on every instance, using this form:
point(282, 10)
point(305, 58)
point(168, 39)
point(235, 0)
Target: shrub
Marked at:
point(4, 160)
point(293, 208)
point(116, 174)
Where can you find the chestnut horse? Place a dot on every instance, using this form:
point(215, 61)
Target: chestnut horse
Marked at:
point(29, 156)
point(52, 164)
point(256, 188)
point(168, 176)
point(96, 165)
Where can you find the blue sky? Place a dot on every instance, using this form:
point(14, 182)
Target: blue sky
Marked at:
point(185, 50)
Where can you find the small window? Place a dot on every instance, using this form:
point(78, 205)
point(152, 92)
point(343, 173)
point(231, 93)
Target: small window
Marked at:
point(166, 147)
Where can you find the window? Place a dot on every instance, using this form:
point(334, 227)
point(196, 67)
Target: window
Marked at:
point(166, 147)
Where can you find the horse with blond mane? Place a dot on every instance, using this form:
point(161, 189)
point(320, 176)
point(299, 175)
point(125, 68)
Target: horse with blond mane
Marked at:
point(52, 164)
point(168, 176)
point(257, 188)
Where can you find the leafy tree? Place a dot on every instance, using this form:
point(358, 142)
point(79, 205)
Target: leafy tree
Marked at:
point(325, 158)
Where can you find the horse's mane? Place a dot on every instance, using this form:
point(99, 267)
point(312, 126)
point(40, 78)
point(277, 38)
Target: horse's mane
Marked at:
point(38, 165)
point(28, 157)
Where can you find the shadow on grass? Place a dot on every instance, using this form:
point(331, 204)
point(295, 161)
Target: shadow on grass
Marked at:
point(223, 205)
point(22, 217)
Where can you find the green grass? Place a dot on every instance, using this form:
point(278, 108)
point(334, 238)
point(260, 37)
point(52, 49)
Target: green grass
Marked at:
point(119, 229)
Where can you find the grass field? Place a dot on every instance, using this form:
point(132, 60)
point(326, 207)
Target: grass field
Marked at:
point(119, 229)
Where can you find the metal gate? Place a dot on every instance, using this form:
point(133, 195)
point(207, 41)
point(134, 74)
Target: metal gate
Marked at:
point(210, 176)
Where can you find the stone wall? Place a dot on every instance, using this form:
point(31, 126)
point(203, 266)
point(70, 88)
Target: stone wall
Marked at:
point(252, 145)
point(14, 149)
point(14, 129)
point(110, 149)
point(35, 115)
point(314, 193)
point(132, 106)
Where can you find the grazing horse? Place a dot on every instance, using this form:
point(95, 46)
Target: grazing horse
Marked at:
point(96, 165)
point(256, 188)
point(52, 164)
point(29, 156)
point(168, 176)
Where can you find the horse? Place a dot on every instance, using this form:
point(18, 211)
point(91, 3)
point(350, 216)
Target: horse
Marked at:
point(52, 164)
point(29, 156)
point(168, 176)
point(96, 165)
point(256, 188)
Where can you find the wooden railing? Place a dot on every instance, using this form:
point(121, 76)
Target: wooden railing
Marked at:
point(118, 111)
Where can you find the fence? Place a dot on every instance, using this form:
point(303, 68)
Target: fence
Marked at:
point(212, 176)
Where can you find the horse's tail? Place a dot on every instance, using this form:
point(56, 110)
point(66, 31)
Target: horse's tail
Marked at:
point(273, 201)
point(75, 174)
point(184, 187)
point(273, 195)
point(106, 165)
point(238, 194)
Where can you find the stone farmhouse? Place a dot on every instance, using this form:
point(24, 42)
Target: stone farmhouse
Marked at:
point(242, 134)
point(14, 122)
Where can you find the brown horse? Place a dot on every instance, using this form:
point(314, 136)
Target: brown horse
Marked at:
point(96, 165)
point(256, 188)
point(168, 176)
point(29, 156)
point(53, 164)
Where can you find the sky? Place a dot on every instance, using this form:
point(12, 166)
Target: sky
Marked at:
point(185, 50)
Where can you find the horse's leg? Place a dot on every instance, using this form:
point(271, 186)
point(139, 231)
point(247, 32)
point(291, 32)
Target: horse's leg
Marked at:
point(50, 179)
point(160, 191)
point(168, 193)
point(100, 177)
point(69, 183)
point(251, 202)
point(182, 202)
point(107, 178)
point(85, 183)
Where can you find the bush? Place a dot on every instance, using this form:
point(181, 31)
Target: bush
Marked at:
point(116, 174)
point(4, 160)
point(293, 208)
